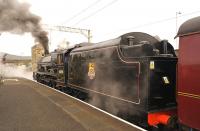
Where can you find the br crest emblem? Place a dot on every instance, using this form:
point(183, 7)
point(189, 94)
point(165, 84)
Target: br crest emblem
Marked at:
point(91, 70)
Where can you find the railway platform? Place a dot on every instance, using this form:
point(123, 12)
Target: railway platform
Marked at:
point(26, 105)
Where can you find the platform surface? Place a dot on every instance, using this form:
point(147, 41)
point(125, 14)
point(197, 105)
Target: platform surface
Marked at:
point(28, 106)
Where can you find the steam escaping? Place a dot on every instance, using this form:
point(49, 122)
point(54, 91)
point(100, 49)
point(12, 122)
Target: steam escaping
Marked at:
point(9, 70)
point(115, 85)
point(15, 17)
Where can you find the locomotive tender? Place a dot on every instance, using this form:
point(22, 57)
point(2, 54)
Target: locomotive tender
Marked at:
point(134, 77)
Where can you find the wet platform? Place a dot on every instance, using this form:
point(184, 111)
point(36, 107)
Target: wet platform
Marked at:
point(29, 106)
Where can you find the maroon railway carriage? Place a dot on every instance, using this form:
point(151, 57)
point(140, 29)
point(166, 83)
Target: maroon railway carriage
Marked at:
point(189, 74)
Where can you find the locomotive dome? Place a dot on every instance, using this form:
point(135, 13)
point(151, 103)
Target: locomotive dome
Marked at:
point(191, 26)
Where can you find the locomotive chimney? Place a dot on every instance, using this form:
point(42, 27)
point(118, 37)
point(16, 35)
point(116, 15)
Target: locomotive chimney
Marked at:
point(164, 46)
point(130, 40)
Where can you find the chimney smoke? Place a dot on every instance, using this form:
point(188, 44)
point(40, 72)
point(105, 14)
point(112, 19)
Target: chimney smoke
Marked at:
point(16, 18)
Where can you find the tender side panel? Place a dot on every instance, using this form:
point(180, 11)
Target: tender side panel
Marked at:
point(100, 71)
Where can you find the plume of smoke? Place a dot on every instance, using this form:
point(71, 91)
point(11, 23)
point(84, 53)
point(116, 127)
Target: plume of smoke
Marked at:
point(15, 17)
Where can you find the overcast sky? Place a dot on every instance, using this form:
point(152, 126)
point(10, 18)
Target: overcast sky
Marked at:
point(105, 18)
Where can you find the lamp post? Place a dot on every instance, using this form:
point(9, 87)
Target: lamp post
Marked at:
point(177, 13)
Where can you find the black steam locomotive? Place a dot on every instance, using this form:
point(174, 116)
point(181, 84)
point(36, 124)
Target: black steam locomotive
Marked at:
point(132, 76)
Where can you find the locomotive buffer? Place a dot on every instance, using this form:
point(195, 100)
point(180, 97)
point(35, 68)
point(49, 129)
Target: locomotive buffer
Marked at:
point(28, 106)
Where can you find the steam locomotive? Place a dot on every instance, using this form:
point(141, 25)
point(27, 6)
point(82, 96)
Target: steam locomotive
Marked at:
point(133, 76)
